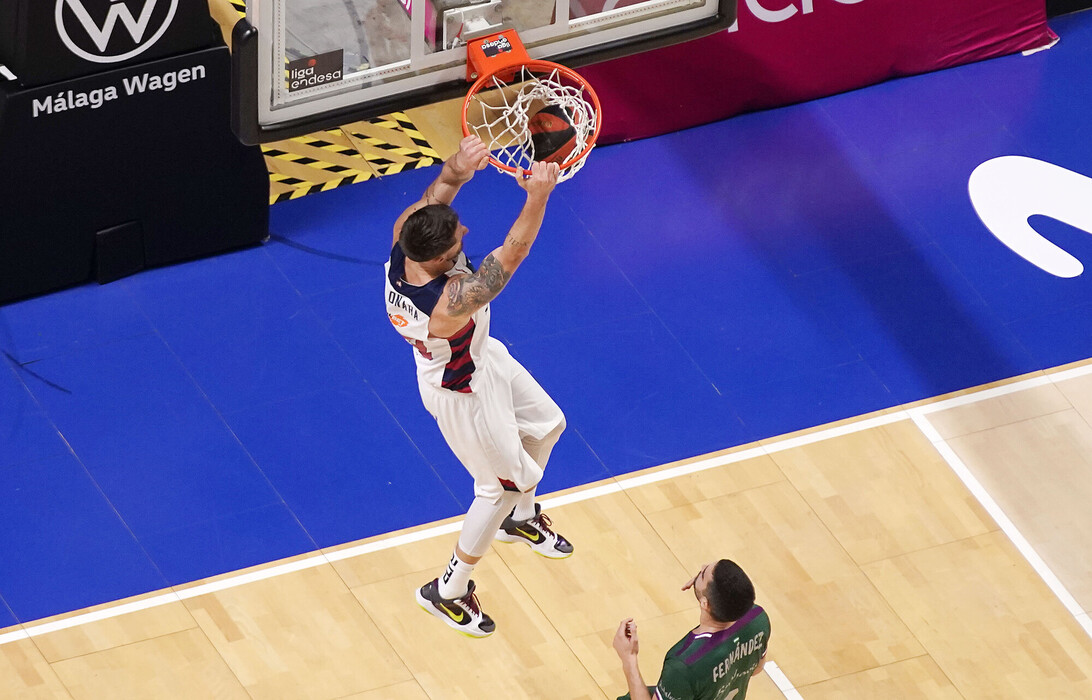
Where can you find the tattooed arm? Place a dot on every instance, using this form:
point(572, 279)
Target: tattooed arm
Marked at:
point(465, 294)
point(457, 171)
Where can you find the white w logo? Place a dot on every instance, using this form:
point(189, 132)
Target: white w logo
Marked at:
point(101, 35)
point(118, 10)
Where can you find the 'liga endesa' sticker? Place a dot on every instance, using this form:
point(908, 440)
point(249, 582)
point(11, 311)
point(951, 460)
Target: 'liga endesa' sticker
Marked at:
point(315, 70)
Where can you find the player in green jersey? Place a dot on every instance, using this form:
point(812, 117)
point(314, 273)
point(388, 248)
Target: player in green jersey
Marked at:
point(715, 660)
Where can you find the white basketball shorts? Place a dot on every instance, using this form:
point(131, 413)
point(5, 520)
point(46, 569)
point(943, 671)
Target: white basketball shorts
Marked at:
point(484, 427)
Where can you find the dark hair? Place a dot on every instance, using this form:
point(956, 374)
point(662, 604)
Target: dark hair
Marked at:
point(428, 232)
point(731, 594)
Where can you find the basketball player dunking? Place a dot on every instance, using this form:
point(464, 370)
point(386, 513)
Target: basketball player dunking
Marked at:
point(495, 417)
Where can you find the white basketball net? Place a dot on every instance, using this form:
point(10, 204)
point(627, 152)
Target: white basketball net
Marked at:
point(506, 109)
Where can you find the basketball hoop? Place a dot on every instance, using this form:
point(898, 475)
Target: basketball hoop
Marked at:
point(509, 89)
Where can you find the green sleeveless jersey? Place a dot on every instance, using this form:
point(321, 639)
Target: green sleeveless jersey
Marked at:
point(714, 666)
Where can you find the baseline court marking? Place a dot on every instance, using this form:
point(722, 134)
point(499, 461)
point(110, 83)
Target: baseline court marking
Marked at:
point(781, 681)
point(918, 415)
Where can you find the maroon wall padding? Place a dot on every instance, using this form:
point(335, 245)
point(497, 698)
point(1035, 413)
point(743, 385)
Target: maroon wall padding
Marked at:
point(822, 48)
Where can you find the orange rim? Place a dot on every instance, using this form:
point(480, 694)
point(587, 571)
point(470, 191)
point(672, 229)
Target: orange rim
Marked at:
point(539, 66)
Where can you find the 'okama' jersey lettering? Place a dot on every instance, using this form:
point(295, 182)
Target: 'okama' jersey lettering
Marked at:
point(449, 363)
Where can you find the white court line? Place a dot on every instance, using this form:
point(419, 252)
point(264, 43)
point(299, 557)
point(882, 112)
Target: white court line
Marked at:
point(840, 431)
point(13, 636)
point(983, 395)
point(975, 487)
point(396, 541)
point(781, 681)
point(918, 415)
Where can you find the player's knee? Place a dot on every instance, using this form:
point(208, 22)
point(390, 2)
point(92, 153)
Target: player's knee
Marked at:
point(530, 480)
point(493, 493)
point(554, 435)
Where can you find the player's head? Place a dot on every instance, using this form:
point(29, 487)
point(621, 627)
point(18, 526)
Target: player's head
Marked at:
point(430, 233)
point(727, 590)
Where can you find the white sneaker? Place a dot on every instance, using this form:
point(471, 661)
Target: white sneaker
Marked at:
point(537, 534)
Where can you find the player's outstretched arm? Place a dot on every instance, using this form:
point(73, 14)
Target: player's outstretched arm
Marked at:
point(471, 157)
point(468, 293)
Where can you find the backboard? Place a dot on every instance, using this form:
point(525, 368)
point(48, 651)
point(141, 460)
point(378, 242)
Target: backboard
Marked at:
point(304, 65)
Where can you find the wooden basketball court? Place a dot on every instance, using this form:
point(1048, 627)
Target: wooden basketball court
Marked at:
point(884, 576)
point(938, 549)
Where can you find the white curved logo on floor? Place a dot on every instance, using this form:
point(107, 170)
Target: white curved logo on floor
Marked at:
point(89, 40)
point(1006, 191)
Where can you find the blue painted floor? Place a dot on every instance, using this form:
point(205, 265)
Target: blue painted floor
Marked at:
point(688, 293)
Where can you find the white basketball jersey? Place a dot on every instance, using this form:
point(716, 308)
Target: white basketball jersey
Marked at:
point(449, 363)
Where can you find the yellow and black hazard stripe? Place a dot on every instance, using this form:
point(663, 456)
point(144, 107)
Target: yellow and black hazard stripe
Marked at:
point(391, 143)
point(325, 160)
point(354, 153)
point(313, 163)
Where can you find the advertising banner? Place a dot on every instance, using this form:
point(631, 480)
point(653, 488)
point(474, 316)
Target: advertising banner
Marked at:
point(44, 41)
point(110, 173)
point(784, 51)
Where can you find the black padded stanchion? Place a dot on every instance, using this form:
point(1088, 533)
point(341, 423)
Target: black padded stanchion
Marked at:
point(130, 164)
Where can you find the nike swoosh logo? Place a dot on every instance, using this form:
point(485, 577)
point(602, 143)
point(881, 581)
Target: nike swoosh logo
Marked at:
point(460, 618)
point(534, 535)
